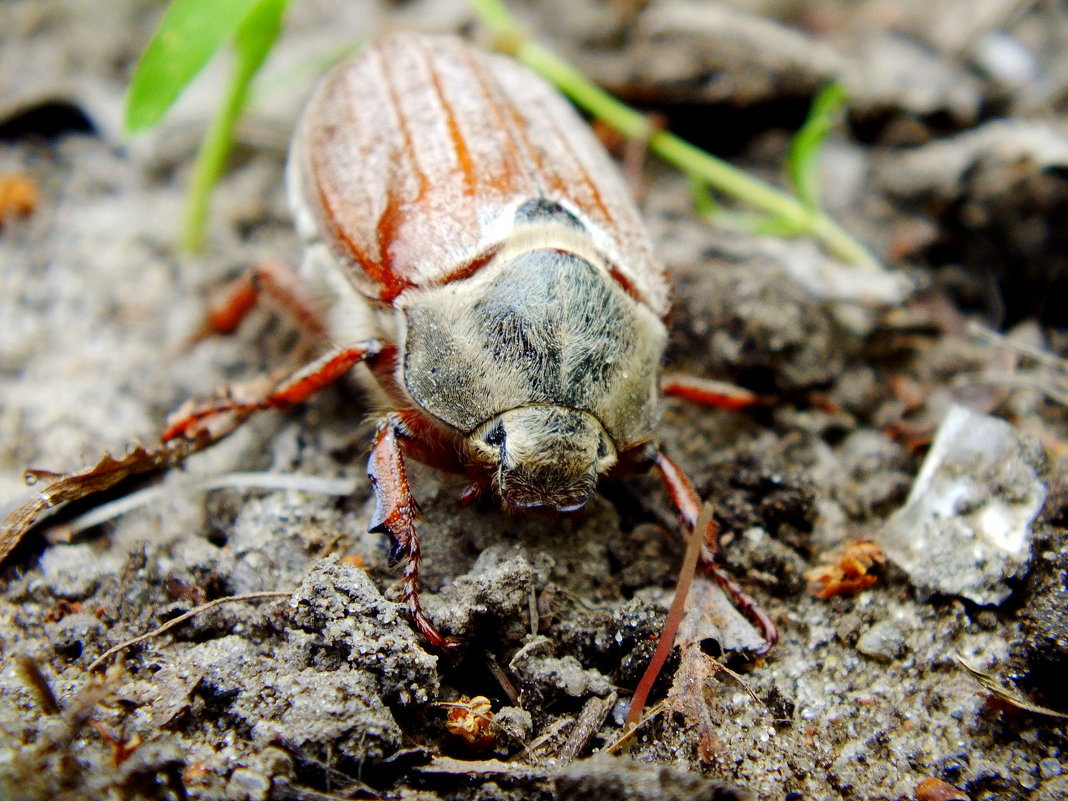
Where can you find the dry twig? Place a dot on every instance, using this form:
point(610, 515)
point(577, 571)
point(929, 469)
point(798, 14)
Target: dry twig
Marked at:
point(170, 624)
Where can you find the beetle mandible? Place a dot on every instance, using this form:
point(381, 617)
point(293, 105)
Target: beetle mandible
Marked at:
point(486, 271)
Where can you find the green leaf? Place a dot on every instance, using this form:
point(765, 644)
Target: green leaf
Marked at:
point(190, 34)
point(803, 158)
point(257, 34)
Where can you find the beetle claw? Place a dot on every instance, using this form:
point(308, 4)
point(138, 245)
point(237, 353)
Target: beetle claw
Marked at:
point(436, 640)
point(396, 547)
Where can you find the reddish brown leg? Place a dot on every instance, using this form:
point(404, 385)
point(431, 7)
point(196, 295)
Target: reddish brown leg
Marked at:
point(707, 392)
point(688, 505)
point(271, 279)
point(297, 388)
point(395, 512)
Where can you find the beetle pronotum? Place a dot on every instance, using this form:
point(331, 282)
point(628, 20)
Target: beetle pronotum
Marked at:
point(485, 267)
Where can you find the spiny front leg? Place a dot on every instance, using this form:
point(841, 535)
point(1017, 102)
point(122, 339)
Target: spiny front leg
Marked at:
point(395, 513)
point(688, 505)
point(194, 422)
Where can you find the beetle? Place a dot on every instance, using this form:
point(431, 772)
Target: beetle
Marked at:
point(474, 254)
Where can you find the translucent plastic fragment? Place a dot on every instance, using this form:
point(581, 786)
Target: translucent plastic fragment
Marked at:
point(965, 528)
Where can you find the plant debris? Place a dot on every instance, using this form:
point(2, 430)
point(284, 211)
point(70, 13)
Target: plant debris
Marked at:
point(853, 570)
point(993, 685)
point(471, 719)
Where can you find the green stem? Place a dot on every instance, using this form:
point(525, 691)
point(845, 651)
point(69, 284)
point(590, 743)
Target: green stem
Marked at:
point(211, 159)
point(696, 163)
point(496, 16)
point(727, 178)
point(253, 40)
point(842, 244)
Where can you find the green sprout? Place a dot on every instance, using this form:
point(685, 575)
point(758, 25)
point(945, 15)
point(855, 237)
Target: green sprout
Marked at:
point(804, 154)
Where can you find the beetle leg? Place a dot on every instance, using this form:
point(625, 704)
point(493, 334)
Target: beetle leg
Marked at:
point(297, 388)
point(395, 512)
point(688, 505)
point(272, 279)
point(707, 392)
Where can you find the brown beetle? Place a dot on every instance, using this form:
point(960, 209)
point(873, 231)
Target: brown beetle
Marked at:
point(486, 268)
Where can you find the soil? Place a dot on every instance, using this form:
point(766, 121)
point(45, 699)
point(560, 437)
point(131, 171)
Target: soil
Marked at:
point(951, 166)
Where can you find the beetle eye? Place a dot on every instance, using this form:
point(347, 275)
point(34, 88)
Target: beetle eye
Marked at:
point(495, 436)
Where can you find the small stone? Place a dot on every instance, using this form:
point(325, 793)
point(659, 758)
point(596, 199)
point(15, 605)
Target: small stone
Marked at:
point(1049, 768)
point(883, 641)
point(248, 783)
point(276, 761)
point(514, 724)
point(847, 627)
point(556, 676)
point(566, 675)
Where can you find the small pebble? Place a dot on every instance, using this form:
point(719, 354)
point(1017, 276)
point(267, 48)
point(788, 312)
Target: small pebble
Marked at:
point(516, 723)
point(1006, 58)
point(1049, 768)
point(248, 783)
point(847, 626)
point(883, 641)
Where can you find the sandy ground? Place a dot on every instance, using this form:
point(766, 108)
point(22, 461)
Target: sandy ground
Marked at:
point(951, 168)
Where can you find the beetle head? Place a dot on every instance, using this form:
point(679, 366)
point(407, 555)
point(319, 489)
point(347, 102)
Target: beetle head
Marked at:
point(545, 455)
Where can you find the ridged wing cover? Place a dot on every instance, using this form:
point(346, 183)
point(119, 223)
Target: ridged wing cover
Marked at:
point(415, 155)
